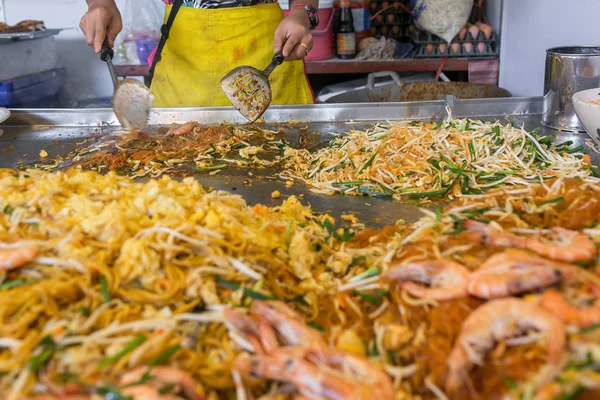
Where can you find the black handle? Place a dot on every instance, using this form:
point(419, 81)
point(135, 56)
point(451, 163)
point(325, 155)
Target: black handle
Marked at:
point(278, 58)
point(107, 52)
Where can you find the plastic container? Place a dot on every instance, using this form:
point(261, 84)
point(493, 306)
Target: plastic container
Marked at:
point(322, 42)
point(34, 90)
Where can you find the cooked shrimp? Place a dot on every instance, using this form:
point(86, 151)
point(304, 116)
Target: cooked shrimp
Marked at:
point(566, 245)
point(17, 257)
point(375, 382)
point(63, 397)
point(291, 327)
point(495, 321)
point(182, 129)
point(247, 326)
point(510, 273)
point(556, 303)
point(302, 368)
point(488, 235)
point(446, 279)
point(165, 375)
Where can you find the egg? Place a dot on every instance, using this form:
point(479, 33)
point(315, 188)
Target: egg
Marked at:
point(384, 30)
point(467, 47)
point(379, 19)
point(481, 47)
point(396, 30)
point(474, 31)
point(442, 47)
point(411, 28)
point(462, 34)
point(391, 18)
point(396, 5)
point(455, 48)
point(486, 29)
point(429, 48)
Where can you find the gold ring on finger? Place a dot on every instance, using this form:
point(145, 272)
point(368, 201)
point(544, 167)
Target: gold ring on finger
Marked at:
point(305, 47)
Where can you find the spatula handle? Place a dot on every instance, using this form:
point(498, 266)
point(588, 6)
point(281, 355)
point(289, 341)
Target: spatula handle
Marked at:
point(278, 59)
point(107, 52)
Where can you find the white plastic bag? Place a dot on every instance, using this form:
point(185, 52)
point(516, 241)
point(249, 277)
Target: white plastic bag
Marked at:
point(142, 19)
point(444, 18)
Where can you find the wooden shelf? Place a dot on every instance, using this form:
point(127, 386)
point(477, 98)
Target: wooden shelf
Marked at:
point(480, 70)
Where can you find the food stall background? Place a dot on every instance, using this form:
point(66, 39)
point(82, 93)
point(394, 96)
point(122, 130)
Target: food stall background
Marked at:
point(525, 27)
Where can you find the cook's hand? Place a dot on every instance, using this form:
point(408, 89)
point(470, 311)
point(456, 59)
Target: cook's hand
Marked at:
point(103, 20)
point(296, 28)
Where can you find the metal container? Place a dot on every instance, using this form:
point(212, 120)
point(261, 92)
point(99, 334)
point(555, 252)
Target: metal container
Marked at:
point(569, 70)
point(398, 90)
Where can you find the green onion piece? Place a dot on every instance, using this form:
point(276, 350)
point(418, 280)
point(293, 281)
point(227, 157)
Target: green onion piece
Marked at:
point(373, 298)
point(434, 163)
point(164, 356)
point(211, 168)
point(248, 292)
point(448, 161)
point(127, 349)
point(13, 284)
point(438, 214)
point(358, 260)
point(441, 192)
point(573, 395)
point(368, 163)
point(467, 126)
point(536, 130)
point(471, 151)
point(166, 389)
point(8, 209)
point(374, 193)
point(373, 271)
point(84, 311)
point(48, 349)
point(346, 235)
point(350, 183)
point(557, 200)
point(590, 328)
point(414, 123)
point(577, 149)
point(438, 126)
point(327, 225)
point(111, 392)
point(316, 326)
point(104, 288)
point(510, 382)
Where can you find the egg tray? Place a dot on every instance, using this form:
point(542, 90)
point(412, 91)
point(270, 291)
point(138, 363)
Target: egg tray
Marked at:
point(491, 50)
point(423, 37)
point(400, 33)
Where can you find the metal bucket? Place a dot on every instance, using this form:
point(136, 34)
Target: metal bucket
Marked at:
point(569, 70)
point(398, 90)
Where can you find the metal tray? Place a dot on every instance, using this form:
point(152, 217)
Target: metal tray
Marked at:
point(28, 35)
point(27, 132)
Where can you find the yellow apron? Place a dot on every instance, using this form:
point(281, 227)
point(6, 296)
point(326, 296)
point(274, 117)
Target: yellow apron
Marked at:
point(205, 44)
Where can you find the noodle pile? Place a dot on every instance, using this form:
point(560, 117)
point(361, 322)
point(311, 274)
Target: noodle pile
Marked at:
point(135, 274)
point(418, 160)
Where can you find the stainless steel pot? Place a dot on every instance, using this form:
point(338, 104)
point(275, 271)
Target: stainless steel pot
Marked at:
point(568, 70)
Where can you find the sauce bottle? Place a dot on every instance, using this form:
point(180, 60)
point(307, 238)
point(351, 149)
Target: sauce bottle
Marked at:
point(346, 40)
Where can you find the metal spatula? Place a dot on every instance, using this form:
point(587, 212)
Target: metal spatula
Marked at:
point(132, 100)
point(249, 90)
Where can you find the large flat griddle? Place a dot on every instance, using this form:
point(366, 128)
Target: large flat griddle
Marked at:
point(27, 132)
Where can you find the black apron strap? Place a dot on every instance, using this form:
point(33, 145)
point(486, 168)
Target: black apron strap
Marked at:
point(164, 35)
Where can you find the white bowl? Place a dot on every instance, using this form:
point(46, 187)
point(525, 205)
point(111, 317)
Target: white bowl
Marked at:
point(588, 112)
point(4, 114)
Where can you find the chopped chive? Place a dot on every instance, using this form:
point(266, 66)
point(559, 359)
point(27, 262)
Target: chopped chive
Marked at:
point(434, 163)
point(164, 356)
point(211, 168)
point(441, 192)
point(358, 260)
point(248, 292)
point(166, 389)
point(471, 151)
point(572, 395)
point(346, 235)
point(316, 326)
point(557, 200)
point(577, 149)
point(510, 382)
point(13, 284)
point(349, 183)
point(374, 193)
point(111, 392)
point(373, 298)
point(48, 348)
point(467, 125)
point(448, 161)
point(536, 130)
point(129, 347)
point(229, 136)
point(590, 328)
point(8, 209)
point(104, 288)
point(438, 214)
point(373, 271)
point(438, 126)
point(368, 163)
point(414, 123)
point(84, 311)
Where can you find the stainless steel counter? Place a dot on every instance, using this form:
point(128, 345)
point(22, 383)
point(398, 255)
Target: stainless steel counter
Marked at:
point(27, 132)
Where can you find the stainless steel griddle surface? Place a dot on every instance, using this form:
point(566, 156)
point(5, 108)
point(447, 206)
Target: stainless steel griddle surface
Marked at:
point(58, 132)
